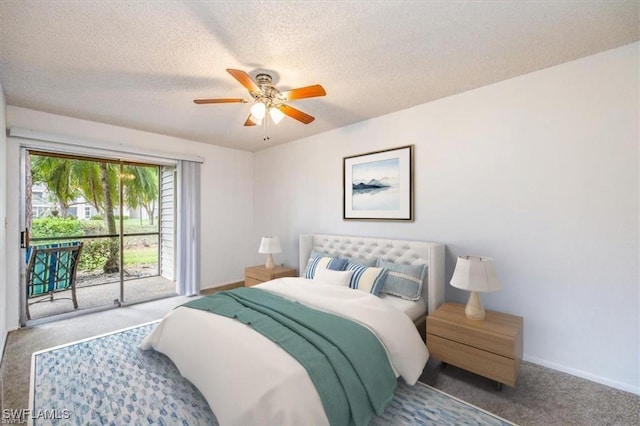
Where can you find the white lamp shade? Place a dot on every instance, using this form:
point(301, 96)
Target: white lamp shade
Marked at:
point(257, 121)
point(258, 110)
point(276, 114)
point(269, 245)
point(475, 273)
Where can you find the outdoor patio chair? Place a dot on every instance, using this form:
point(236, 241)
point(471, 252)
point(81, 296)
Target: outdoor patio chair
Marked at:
point(52, 269)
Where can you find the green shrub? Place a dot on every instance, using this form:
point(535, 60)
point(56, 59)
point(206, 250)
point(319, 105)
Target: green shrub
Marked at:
point(95, 254)
point(97, 217)
point(55, 227)
point(93, 227)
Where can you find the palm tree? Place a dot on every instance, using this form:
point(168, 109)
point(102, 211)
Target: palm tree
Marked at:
point(141, 188)
point(67, 179)
point(56, 173)
point(97, 182)
point(108, 185)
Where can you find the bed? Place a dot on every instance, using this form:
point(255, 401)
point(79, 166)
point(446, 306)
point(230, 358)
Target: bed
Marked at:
point(248, 379)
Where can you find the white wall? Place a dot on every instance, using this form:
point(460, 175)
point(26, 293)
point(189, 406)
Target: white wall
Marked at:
point(539, 172)
point(227, 193)
point(3, 198)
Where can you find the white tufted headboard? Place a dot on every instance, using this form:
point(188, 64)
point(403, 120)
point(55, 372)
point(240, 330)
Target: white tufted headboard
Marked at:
point(399, 251)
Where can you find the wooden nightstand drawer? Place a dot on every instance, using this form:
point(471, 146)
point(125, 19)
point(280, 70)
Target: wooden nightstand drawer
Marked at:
point(491, 347)
point(258, 274)
point(497, 343)
point(499, 368)
point(497, 333)
point(248, 281)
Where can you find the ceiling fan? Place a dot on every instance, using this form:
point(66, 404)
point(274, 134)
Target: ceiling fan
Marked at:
point(268, 100)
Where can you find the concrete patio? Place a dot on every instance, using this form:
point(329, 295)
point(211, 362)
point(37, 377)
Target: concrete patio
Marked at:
point(101, 291)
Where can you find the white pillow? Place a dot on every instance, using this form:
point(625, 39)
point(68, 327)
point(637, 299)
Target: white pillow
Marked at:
point(339, 278)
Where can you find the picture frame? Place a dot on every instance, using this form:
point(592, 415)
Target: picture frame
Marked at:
point(379, 185)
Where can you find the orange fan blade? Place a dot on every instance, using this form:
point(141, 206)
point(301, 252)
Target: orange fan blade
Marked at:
point(304, 92)
point(244, 79)
point(249, 122)
point(219, 101)
point(295, 113)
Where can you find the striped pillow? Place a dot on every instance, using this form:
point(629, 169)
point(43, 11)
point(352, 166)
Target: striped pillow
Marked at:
point(324, 262)
point(404, 281)
point(367, 278)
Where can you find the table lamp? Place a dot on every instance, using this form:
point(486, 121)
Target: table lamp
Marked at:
point(475, 273)
point(269, 245)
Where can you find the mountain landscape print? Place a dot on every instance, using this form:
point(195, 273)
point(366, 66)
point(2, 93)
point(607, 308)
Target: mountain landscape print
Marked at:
point(375, 185)
point(378, 185)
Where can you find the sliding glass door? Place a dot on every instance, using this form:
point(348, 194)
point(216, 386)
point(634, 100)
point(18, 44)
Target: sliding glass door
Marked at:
point(111, 211)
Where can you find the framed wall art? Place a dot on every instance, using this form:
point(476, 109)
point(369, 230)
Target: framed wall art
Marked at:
point(379, 185)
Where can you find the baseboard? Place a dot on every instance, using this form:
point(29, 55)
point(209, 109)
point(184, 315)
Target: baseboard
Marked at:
point(211, 290)
point(585, 375)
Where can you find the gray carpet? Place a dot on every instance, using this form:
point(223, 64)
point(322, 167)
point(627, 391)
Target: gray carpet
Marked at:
point(541, 396)
point(16, 362)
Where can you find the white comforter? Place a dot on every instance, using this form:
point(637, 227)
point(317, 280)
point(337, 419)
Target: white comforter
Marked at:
point(247, 379)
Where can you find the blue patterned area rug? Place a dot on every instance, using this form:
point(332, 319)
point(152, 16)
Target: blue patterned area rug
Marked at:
point(107, 380)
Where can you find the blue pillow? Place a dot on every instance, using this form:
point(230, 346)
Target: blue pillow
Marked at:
point(367, 278)
point(404, 281)
point(324, 262)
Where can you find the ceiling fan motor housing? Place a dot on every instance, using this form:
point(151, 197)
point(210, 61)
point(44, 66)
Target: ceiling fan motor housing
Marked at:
point(263, 79)
point(268, 94)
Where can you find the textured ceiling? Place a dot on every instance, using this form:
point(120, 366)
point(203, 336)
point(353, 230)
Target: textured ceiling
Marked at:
point(140, 64)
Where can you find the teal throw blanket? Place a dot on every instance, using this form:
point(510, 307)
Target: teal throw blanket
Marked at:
point(346, 362)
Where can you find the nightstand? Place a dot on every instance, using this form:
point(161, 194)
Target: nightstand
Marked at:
point(258, 274)
point(491, 348)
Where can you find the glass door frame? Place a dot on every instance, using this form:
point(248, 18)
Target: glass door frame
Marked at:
point(25, 153)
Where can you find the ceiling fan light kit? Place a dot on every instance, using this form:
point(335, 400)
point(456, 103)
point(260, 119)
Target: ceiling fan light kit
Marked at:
point(266, 98)
point(257, 110)
point(276, 115)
